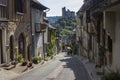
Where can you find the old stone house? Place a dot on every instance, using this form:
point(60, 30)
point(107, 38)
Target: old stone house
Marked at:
point(38, 28)
point(19, 30)
point(101, 24)
point(21, 23)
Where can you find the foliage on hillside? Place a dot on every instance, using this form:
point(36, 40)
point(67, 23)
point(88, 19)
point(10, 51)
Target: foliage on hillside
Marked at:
point(67, 25)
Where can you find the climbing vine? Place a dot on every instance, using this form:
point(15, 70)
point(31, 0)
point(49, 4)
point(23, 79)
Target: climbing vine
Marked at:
point(52, 43)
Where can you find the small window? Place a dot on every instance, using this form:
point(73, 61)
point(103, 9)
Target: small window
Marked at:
point(3, 2)
point(3, 12)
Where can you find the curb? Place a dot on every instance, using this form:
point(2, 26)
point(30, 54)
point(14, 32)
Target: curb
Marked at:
point(89, 73)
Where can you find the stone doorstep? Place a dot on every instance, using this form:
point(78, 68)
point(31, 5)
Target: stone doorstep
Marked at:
point(5, 65)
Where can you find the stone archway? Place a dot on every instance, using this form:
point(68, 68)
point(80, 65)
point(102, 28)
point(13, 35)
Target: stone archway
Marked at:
point(11, 48)
point(21, 45)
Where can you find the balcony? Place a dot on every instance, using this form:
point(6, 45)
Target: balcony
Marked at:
point(40, 27)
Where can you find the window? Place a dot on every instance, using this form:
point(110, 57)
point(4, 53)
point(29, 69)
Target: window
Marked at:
point(88, 16)
point(3, 2)
point(3, 12)
point(3, 8)
point(20, 6)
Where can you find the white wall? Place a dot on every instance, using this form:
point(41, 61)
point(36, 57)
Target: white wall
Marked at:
point(116, 44)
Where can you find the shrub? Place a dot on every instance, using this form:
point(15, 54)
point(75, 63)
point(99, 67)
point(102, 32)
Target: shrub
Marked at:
point(20, 58)
point(111, 76)
point(50, 52)
point(36, 59)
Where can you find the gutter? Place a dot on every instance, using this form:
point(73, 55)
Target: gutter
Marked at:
point(32, 35)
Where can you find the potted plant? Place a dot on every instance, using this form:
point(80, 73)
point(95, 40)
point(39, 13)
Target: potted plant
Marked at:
point(20, 58)
point(30, 65)
point(24, 63)
point(36, 59)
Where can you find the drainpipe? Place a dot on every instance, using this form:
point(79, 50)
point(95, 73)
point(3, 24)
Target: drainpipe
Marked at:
point(43, 45)
point(32, 31)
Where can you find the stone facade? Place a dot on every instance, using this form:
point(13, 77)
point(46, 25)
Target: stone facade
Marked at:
point(98, 22)
point(19, 29)
point(37, 33)
point(18, 19)
point(112, 23)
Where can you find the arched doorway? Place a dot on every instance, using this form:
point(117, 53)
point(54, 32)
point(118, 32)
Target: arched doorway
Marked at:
point(28, 52)
point(11, 48)
point(21, 45)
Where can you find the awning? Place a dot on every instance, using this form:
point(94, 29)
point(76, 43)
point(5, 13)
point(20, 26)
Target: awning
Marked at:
point(44, 24)
point(50, 26)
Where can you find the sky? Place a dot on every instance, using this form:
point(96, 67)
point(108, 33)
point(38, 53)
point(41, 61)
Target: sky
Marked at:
point(57, 5)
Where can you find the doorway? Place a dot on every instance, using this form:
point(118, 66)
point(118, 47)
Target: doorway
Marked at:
point(11, 48)
point(28, 52)
point(1, 52)
point(21, 45)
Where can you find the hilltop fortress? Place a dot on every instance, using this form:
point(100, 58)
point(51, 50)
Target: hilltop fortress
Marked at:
point(67, 13)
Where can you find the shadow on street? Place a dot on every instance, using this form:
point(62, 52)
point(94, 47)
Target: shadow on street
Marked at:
point(76, 66)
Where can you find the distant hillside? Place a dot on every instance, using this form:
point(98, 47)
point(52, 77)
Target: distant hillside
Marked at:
point(67, 25)
point(53, 19)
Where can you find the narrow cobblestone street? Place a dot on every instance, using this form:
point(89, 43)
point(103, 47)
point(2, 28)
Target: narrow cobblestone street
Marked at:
point(62, 67)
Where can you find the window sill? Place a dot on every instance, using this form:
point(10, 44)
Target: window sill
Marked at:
point(19, 13)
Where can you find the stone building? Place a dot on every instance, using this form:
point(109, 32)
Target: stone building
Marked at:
point(21, 25)
point(38, 27)
point(100, 20)
point(19, 29)
point(112, 26)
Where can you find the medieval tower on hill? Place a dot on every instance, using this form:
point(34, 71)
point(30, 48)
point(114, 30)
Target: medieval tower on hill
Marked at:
point(67, 13)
